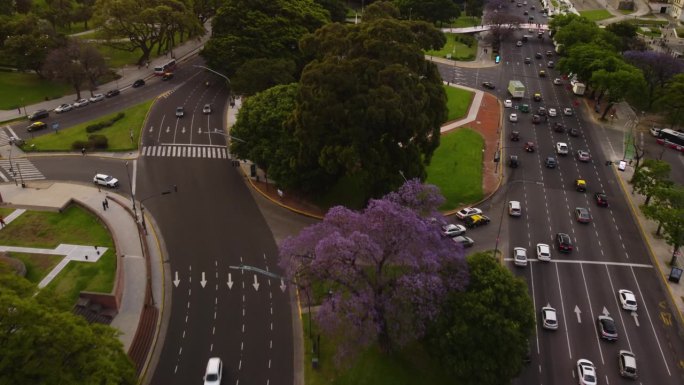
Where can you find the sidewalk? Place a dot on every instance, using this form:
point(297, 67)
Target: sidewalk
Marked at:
point(132, 269)
point(129, 74)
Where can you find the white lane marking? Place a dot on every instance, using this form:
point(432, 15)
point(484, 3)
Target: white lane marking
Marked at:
point(650, 321)
point(565, 321)
point(534, 304)
point(582, 262)
point(622, 320)
point(591, 310)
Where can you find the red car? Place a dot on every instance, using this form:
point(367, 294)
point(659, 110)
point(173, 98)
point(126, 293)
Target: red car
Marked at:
point(582, 215)
point(564, 243)
point(529, 146)
point(601, 199)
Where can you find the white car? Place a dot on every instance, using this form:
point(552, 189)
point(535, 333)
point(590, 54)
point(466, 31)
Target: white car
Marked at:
point(567, 111)
point(520, 256)
point(180, 112)
point(514, 208)
point(543, 252)
point(81, 103)
point(106, 180)
point(513, 117)
point(586, 372)
point(206, 109)
point(66, 107)
point(214, 372)
point(553, 112)
point(557, 81)
point(96, 98)
point(549, 318)
point(518, 43)
point(628, 300)
point(654, 131)
point(627, 364)
point(508, 103)
point(561, 148)
point(452, 230)
point(468, 211)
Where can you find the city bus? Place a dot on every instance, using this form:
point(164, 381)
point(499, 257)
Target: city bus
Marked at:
point(672, 139)
point(169, 66)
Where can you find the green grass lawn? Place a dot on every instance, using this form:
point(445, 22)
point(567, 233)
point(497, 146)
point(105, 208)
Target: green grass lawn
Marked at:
point(647, 22)
point(74, 225)
point(117, 134)
point(464, 22)
point(596, 14)
point(456, 168)
point(680, 32)
point(27, 89)
point(409, 367)
point(5, 211)
point(456, 47)
point(37, 265)
point(458, 102)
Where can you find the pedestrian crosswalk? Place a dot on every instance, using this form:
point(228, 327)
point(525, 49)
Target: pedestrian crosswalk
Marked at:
point(4, 138)
point(20, 169)
point(180, 151)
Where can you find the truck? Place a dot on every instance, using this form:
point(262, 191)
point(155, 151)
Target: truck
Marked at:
point(516, 89)
point(578, 88)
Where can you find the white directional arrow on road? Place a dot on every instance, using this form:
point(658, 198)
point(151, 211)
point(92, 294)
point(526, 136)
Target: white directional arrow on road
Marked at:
point(605, 312)
point(168, 129)
point(230, 282)
point(579, 314)
point(203, 282)
point(282, 285)
point(176, 281)
point(255, 284)
point(151, 128)
point(183, 130)
point(199, 130)
point(636, 318)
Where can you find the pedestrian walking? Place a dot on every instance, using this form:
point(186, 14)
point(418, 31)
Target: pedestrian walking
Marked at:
point(82, 150)
point(106, 203)
point(2, 222)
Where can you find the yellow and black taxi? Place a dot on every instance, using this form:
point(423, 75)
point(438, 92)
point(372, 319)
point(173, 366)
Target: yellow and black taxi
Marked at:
point(35, 126)
point(580, 185)
point(476, 220)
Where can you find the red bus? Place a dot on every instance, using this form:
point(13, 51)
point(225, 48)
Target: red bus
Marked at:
point(169, 66)
point(672, 139)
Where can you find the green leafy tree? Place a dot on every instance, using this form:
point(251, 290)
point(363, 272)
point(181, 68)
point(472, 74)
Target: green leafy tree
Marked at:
point(57, 12)
point(627, 33)
point(481, 334)
point(668, 211)
point(671, 103)
point(75, 64)
point(617, 83)
point(433, 11)
point(246, 30)
point(26, 42)
point(336, 8)
point(652, 176)
point(44, 345)
point(261, 135)
point(369, 105)
point(584, 58)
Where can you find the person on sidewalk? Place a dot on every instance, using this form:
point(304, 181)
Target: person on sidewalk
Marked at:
point(2, 222)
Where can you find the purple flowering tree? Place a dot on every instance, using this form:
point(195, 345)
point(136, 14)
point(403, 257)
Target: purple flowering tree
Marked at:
point(389, 268)
point(658, 69)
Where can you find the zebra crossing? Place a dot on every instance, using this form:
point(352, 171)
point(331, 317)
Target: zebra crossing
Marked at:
point(180, 151)
point(19, 169)
point(4, 138)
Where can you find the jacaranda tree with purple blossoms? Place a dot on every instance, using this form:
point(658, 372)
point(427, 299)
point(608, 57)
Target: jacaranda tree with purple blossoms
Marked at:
point(388, 266)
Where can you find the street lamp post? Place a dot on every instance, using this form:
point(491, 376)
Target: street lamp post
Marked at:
point(142, 208)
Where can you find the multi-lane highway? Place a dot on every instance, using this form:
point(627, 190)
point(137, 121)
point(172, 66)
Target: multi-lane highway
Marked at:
point(609, 253)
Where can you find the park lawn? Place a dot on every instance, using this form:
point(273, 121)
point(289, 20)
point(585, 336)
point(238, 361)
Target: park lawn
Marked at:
point(647, 22)
point(44, 229)
point(37, 265)
point(27, 89)
point(464, 22)
point(456, 168)
point(85, 276)
point(118, 135)
point(5, 211)
point(456, 48)
point(458, 102)
point(410, 366)
point(596, 14)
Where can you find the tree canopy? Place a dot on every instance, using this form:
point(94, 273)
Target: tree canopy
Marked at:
point(369, 104)
point(650, 177)
point(671, 103)
point(482, 333)
point(43, 345)
point(245, 32)
point(429, 10)
point(387, 267)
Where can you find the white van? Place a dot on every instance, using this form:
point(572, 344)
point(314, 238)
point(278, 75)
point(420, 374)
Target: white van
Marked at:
point(514, 209)
point(214, 372)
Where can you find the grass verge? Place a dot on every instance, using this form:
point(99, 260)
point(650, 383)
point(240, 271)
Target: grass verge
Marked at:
point(118, 135)
point(596, 14)
point(5, 211)
point(37, 265)
point(464, 22)
point(410, 366)
point(458, 46)
point(27, 89)
point(85, 276)
point(456, 168)
point(458, 102)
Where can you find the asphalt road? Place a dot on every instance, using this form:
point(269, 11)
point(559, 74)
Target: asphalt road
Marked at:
point(212, 223)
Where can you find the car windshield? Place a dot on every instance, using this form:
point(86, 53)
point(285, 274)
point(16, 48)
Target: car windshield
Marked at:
point(108, 178)
point(608, 326)
point(212, 377)
point(589, 378)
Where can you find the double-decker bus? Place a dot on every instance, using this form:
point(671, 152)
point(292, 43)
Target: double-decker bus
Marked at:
point(169, 66)
point(672, 139)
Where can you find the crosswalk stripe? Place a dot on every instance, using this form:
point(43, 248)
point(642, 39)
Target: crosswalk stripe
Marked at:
point(22, 168)
point(189, 151)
